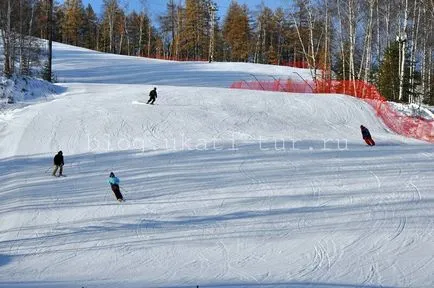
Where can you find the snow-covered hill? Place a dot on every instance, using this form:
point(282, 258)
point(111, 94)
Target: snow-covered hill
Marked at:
point(224, 188)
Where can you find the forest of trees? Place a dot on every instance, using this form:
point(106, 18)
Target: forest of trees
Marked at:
point(389, 43)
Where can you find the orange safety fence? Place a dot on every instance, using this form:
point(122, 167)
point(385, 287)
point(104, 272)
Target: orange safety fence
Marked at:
point(414, 127)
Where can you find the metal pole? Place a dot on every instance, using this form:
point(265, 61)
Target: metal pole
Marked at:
point(212, 10)
point(50, 40)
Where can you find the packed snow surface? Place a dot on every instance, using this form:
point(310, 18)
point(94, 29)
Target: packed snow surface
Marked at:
point(223, 188)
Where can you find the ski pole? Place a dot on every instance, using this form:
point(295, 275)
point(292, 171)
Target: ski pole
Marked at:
point(47, 170)
point(123, 189)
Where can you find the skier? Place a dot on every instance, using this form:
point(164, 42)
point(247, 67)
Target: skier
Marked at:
point(152, 96)
point(58, 163)
point(114, 183)
point(367, 136)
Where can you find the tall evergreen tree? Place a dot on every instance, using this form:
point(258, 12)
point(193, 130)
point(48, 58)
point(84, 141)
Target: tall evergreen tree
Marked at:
point(236, 32)
point(90, 28)
point(194, 36)
point(73, 21)
point(265, 34)
point(389, 75)
point(279, 18)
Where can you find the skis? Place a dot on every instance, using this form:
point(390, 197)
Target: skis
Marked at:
point(141, 103)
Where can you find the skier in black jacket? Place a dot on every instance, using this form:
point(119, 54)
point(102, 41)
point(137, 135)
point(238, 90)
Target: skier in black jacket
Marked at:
point(152, 96)
point(367, 136)
point(58, 163)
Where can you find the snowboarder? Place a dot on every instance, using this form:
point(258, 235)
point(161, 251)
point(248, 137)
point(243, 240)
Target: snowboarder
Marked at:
point(367, 136)
point(114, 183)
point(58, 163)
point(152, 96)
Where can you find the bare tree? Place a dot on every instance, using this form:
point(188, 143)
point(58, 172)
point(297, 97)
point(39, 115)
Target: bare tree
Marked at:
point(258, 42)
point(377, 6)
point(141, 25)
point(342, 40)
point(279, 18)
point(313, 46)
point(149, 39)
point(7, 36)
point(111, 9)
point(327, 35)
point(427, 51)
point(352, 36)
point(368, 41)
point(402, 39)
point(258, 51)
point(170, 26)
point(212, 12)
point(122, 12)
point(414, 45)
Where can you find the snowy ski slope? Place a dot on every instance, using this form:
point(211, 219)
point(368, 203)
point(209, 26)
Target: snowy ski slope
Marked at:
point(86, 66)
point(224, 188)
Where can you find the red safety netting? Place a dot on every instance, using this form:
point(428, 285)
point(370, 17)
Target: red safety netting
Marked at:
point(414, 127)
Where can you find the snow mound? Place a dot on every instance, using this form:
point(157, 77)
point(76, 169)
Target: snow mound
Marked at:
point(21, 89)
point(414, 110)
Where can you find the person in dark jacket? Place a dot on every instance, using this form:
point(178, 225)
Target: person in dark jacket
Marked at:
point(58, 163)
point(152, 96)
point(114, 183)
point(367, 136)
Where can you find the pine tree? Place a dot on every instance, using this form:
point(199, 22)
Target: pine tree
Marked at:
point(73, 21)
point(265, 35)
point(194, 36)
point(90, 28)
point(236, 32)
point(148, 36)
point(46, 73)
point(219, 44)
point(279, 18)
point(40, 26)
point(271, 55)
point(388, 77)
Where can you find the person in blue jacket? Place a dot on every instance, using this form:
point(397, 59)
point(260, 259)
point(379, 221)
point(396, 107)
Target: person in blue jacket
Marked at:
point(367, 136)
point(114, 183)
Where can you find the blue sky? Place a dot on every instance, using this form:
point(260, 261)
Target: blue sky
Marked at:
point(157, 7)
